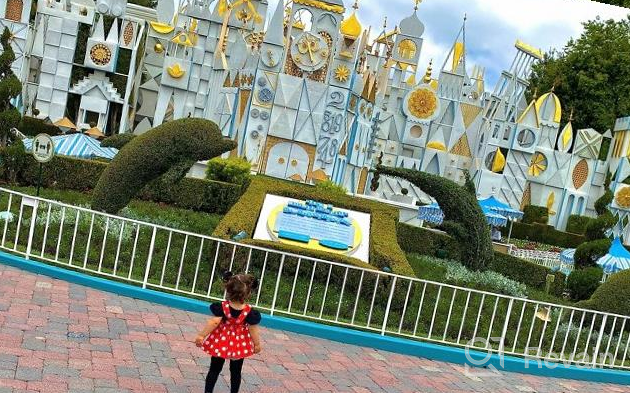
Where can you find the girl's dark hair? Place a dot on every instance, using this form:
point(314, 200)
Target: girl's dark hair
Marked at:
point(238, 287)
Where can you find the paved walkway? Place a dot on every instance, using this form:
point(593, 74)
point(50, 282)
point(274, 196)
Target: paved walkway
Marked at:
point(58, 337)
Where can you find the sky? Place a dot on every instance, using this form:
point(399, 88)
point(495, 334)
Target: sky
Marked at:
point(492, 26)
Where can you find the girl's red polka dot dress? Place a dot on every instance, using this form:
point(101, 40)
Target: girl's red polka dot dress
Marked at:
point(231, 339)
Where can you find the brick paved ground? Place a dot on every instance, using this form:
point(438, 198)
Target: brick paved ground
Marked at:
point(58, 337)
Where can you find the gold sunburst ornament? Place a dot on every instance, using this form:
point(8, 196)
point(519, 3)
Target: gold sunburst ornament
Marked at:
point(422, 103)
point(100, 54)
point(342, 73)
point(623, 197)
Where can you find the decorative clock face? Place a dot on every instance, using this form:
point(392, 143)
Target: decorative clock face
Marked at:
point(309, 52)
point(100, 54)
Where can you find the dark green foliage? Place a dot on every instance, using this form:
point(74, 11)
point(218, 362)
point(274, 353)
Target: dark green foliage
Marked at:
point(577, 224)
point(31, 126)
point(12, 160)
point(587, 71)
point(546, 234)
point(581, 283)
point(601, 204)
point(463, 218)
point(469, 185)
point(596, 229)
point(429, 242)
point(613, 296)
point(384, 249)
point(234, 170)
point(152, 155)
point(587, 254)
point(10, 87)
point(529, 273)
point(117, 141)
point(330, 186)
point(535, 214)
point(64, 173)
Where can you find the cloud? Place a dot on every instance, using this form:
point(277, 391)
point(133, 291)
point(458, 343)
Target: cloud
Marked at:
point(492, 26)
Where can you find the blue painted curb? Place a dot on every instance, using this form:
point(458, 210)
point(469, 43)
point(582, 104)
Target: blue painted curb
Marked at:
point(392, 344)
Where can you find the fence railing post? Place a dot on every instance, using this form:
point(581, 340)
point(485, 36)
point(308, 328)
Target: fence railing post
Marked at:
point(599, 339)
point(149, 259)
point(31, 230)
point(505, 326)
point(389, 304)
point(275, 292)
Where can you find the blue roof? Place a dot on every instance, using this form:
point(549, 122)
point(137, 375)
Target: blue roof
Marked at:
point(499, 207)
point(566, 256)
point(433, 213)
point(78, 145)
point(617, 259)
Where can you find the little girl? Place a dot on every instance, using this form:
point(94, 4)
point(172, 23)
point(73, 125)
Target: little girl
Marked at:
point(233, 333)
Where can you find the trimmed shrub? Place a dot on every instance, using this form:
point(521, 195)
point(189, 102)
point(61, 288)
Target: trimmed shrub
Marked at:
point(384, 248)
point(577, 224)
point(330, 186)
point(581, 283)
point(463, 217)
point(542, 233)
point(12, 160)
point(601, 205)
point(587, 254)
point(428, 242)
point(82, 175)
point(229, 170)
point(597, 228)
point(167, 150)
point(32, 126)
point(469, 185)
point(535, 214)
point(529, 273)
point(613, 296)
point(117, 141)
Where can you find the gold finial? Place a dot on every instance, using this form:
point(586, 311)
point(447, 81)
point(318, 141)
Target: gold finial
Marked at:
point(535, 93)
point(427, 76)
point(415, 8)
point(571, 115)
point(385, 23)
point(356, 4)
point(465, 17)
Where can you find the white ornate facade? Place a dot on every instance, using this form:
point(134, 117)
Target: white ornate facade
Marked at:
point(309, 95)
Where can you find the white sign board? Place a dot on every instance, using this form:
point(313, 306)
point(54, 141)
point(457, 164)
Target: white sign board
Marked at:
point(268, 221)
point(43, 148)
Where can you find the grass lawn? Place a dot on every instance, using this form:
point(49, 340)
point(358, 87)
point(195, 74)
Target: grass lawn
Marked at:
point(155, 213)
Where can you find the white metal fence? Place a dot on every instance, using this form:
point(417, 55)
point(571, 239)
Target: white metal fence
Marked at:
point(175, 261)
point(548, 259)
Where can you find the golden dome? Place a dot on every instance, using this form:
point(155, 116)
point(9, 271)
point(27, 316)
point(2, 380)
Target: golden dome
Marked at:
point(546, 100)
point(351, 27)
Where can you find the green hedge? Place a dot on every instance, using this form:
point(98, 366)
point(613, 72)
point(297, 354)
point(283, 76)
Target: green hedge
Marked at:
point(427, 242)
point(384, 248)
point(117, 141)
point(535, 214)
point(168, 150)
point(463, 218)
point(583, 282)
point(31, 126)
point(82, 175)
point(546, 234)
point(587, 254)
point(577, 224)
point(234, 170)
point(612, 296)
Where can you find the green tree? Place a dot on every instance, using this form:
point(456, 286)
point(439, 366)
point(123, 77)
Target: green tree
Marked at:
point(590, 74)
point(469, 185)
point(10, 87)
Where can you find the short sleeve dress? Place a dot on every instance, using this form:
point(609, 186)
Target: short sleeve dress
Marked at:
point(231, 339)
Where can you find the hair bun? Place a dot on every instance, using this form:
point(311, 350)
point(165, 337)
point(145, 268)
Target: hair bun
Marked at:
point(227, 275)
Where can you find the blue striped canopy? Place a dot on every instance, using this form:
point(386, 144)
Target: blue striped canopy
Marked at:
point(78, 145)
point(433, 213)
point(499, 207)
point(566, 256)
point(617, 259)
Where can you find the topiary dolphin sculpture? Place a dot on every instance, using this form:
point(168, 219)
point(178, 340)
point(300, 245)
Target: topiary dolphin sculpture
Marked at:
point(167, 151)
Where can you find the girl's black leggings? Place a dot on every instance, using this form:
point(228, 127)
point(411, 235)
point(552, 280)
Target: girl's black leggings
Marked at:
point(216, 365)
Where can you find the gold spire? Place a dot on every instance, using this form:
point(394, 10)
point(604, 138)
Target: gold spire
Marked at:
point(571, 115)
point(427, 76)
point(385, 23)
point(535, 96)
point(351, 27)
point(415, 8)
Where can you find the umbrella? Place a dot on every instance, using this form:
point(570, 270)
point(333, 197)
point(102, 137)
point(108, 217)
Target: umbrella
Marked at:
point(617, 259)
point(566, 256)
point(79, 146)
point(502, 208)
point(65, 125)
point(433, 214)
point(95, 132)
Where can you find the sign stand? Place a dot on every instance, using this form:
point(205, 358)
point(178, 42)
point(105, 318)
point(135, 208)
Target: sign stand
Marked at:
point(43, 149)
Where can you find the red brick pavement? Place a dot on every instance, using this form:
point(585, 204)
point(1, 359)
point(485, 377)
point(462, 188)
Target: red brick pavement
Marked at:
point(58, 337)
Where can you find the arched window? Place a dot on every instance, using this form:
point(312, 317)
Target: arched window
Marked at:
point(303, 20)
